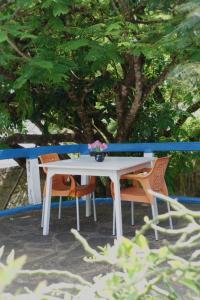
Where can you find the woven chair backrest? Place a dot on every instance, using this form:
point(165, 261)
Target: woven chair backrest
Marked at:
point(49, 158)
point(157, 176)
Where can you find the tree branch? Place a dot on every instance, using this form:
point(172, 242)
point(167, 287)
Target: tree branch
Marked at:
point(101, 127)
point(124, 90)
point(83, 112)
point(151, 88)
point(191, 109)
point(14, 46)
point(148, 22)
point(123, 132)
point(13, 188)
point(41, 139)
point(194, 107)
point(140, 7)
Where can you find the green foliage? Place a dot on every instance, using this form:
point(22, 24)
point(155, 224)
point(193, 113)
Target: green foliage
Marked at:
point(9, 271)
point(51, 44)
point(69, 65)
point(3, 36)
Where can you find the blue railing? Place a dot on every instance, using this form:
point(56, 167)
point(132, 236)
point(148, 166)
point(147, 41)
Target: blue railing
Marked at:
point(83, 149)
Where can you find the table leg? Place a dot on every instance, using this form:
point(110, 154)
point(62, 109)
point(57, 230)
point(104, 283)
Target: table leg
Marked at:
point(85, 180)
point(118, 211)
point(88, 206)
point(47, 205)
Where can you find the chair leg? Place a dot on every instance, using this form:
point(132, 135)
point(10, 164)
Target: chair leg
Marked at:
point(59, 207)
point(132, 213)
point(170, 218)
point(94, 207)
point(77, 215)
point(154, 215)
point(114, 218)
point(43, 204)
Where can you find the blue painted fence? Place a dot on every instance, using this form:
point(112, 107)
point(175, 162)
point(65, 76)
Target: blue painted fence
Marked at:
point(83, 149)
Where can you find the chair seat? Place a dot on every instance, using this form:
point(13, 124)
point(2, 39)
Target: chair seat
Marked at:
point(83, 190)
point(60, 189)
point(135, 194)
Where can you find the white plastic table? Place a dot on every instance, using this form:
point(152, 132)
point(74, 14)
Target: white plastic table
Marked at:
point(112, 167)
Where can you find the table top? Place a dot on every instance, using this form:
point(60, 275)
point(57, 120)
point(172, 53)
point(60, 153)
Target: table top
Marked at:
point(109, 163)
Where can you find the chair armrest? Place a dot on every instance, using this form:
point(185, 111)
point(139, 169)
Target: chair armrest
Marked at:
point(135, 176)
point(73, 184)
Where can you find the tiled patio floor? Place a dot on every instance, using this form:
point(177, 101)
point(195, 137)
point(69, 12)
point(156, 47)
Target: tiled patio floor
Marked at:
point(59, 250)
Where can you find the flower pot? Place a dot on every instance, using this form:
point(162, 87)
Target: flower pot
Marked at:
point(99, 156)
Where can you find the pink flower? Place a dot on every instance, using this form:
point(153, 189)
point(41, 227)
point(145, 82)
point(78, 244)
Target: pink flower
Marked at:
point(97, 146)
point(104, 146)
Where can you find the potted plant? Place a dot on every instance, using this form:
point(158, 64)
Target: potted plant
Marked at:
point(97, 150)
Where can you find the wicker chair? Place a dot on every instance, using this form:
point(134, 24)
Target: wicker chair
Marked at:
point(142, 182)
point(66, 186)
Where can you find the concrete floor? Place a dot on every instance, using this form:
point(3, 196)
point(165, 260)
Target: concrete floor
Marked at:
point(59, 250)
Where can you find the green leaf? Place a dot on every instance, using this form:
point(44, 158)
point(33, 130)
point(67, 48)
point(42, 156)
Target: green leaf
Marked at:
point(10, 257)
point(41, 63)
point(3, 36)
point(60, 8)
point(176, 264)
point(56, 24)
point(22, 79)
point(163, 252)
point(74, 45)
point(47, 3)
point(23, 4)
point(10, 271)
point(141, 241)
point(114, 29)
point(191, 284)
point(26, 35)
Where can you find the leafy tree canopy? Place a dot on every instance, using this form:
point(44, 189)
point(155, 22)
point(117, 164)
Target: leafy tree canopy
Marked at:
point(97, 69)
